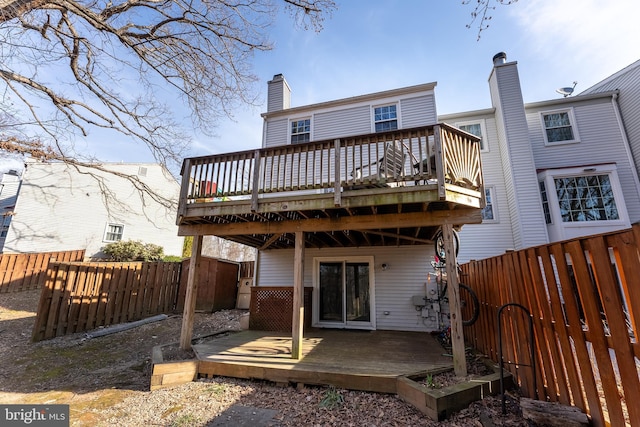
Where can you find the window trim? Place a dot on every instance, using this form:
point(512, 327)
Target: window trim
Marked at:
point(290, 130)
point(373, 116)
point(106, 232)
point(572, 123)
point(492, 193)
point(484, 144)
point(548, 176)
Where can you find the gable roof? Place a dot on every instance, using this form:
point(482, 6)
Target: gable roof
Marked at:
point(603, 85)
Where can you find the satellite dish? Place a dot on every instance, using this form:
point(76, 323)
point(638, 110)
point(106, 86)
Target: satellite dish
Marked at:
point(566, 91)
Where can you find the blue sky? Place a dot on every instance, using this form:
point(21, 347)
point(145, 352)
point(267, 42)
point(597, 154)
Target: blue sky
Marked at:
point(375, 45)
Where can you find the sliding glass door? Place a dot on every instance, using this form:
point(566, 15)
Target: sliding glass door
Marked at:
point(344, 294)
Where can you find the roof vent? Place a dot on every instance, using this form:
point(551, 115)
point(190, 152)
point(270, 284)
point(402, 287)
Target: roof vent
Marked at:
point(499, 58)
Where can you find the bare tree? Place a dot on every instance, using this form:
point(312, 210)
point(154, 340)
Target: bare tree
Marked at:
point(482, 12)
point(72, 66)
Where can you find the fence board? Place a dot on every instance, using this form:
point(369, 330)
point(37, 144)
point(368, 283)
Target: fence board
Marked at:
point(584, 296)
point(544, 343)
point(587, 294)
point(612, 303)
point(22, 272)
point(81, 296)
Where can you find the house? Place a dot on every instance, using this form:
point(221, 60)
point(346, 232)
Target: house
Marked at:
point(343, 202)
point(554, 169)
point(9, 187)
point(551, 170)
point(69, 207)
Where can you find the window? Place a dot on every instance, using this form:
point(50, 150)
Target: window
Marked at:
point(385, 118)
point(559, 126)
point(114, 232)
point(488, 212)
point(545, 202)
point(300, 131)
point(475, 128)
point(586, 198)
point(4, 227)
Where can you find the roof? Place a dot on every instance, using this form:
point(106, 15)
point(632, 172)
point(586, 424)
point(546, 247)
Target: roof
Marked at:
point(595, 88)
point(425, 87)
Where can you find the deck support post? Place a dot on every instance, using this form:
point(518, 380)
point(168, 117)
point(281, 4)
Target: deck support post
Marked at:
point(298, 298)
point(453, 293)
point(192, 291)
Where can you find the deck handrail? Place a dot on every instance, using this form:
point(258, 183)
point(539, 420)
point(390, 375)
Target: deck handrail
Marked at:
point(438, 153)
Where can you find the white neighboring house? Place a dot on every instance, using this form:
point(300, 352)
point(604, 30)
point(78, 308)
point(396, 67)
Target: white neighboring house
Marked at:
point(9, 187)
point(553, 170)
point(61, 207)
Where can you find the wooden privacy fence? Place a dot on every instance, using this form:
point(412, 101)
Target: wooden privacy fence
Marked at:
point(78, 297)
point(584, 298)
point(22, 272)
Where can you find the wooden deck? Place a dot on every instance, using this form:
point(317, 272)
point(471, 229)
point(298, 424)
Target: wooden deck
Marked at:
point(261, 197)
point(356, 360)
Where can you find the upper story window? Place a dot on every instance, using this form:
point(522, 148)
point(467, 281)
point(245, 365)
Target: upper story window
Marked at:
point(476, 128)
point(113, 232)
point(559, 126)
point(385, 118)
point(488, 212)
point(300, 131)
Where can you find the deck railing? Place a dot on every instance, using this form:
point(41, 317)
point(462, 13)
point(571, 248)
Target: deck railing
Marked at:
point(430, 154)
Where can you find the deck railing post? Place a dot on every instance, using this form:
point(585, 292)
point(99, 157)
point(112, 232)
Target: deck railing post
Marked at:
point(184, 189)
point(337, 196)
point(256, 180)
point(440, 162)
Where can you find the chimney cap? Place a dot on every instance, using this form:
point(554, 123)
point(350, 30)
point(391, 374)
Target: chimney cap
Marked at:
point(499, 58)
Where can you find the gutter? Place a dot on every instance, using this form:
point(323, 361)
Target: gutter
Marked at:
point(625, 139)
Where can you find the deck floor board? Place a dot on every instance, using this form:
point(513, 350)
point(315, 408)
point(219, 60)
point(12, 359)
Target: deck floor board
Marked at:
point(360, 360)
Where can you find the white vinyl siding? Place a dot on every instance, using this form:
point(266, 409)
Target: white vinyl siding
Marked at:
point(418, 111)
point(626, 81)
point(600, 140)
point(69, 196)
point(473, 237)
point(277, 132)
point(406, 275)
point(352, 119)
point(522, 193)
point(339, 123)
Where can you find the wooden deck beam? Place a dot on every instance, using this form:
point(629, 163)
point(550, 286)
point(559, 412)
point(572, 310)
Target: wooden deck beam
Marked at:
point(361, 222)
point(298, 297)
point(192, 291)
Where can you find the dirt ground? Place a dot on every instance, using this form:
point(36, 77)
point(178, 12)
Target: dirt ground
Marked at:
point(105, 381)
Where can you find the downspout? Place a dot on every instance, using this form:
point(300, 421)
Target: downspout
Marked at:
point(625, 139)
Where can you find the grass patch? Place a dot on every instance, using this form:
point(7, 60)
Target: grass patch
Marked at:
point(184, 420)
point(217, 390)
point(332, 399)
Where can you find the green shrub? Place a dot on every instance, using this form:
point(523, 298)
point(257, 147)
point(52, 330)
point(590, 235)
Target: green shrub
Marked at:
point(131, 250)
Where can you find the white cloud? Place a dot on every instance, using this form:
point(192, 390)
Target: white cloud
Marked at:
point(593, 38)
